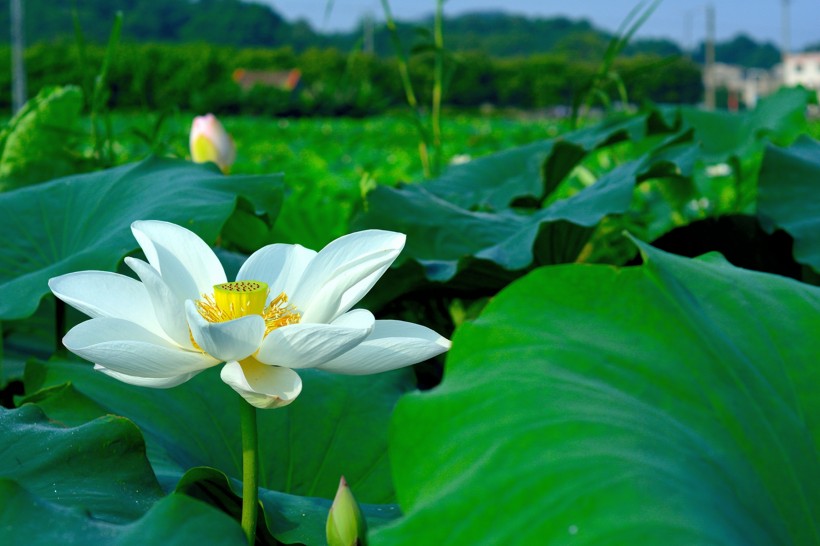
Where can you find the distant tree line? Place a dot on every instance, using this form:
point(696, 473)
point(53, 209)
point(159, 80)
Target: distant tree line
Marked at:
point(183, 54)
point(248, 24)
point(200, 78)
point(744, 51)
point(229, 22)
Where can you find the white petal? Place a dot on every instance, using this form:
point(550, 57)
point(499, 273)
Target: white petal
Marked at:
point(153, 382)
point(231, 340)
point(168, 309)
point(185, 262)
point(281, 266)
point(104, 294)
point(130, 349)
point(262, 386)
point(308, 345)
point(393, 344)
point(343, 272)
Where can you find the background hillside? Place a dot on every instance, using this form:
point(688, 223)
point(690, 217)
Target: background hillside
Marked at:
point(244, 24)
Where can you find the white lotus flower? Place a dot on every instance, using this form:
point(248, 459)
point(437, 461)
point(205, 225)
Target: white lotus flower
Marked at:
point(289, 308)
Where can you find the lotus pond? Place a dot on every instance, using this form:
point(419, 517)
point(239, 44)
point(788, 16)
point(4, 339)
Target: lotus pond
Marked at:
point(606, 335)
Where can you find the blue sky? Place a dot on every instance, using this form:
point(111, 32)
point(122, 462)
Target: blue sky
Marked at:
point(681, 20)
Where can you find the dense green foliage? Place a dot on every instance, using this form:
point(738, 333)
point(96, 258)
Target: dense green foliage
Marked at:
point(586, 399)
point(200, 78)
point(41, 141)
point(536, 205)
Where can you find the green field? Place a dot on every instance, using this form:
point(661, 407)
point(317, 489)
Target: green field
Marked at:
point(330, 163)
point(382, 147)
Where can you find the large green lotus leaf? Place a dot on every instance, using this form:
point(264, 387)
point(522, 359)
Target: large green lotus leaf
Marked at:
point(446, 239)
point(99, 467)
point(41, 141)
point(83, 222)
point(671, 403)
point(780, 117)
point(337, 426)
point(534, 170)
point(291, 519)
point(176, 520)
point(493, 182)
point(788, 196)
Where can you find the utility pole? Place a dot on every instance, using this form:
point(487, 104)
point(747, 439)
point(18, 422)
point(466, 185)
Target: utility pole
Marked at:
point(368, 31)
point(709, 70)
point(18, 67)
point(786, 46)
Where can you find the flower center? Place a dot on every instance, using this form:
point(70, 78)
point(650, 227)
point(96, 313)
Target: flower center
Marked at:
point(241, 297)
point(232, 300)
point(279, 314)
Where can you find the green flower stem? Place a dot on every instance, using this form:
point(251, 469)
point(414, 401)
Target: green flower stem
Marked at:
point(59, 325)
point(2, 375)
point(250, 472)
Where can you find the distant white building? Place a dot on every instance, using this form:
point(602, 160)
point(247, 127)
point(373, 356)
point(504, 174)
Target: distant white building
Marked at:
point(802, 69)
point(724, 75)
point(746, 85)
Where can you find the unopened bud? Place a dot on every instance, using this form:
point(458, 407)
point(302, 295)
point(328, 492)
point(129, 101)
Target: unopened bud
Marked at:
point(345, 524)
point(210, 142)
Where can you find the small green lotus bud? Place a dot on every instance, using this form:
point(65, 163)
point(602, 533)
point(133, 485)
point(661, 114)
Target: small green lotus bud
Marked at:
point(345, 524)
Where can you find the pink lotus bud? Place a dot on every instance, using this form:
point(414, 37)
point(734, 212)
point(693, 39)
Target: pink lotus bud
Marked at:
point(210, 142)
